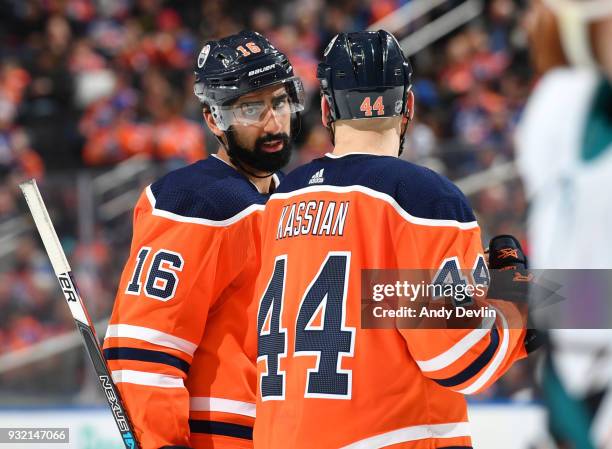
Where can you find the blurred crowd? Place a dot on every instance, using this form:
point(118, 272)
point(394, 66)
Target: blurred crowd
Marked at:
point(86, 84)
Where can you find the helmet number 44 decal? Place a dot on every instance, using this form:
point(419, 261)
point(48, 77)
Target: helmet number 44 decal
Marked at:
point(378, 106)
point(251, 47)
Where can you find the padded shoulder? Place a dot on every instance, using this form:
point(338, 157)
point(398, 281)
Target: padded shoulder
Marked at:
point(418, 190)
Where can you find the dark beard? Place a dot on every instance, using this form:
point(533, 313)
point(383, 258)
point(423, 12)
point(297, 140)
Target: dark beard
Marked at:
point(257, 158)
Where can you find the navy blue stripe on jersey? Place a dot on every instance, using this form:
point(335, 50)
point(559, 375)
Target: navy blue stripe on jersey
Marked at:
point(221, 428)
point(146, 355)
point(476, 366)
point(418, 190)
point(209, 189)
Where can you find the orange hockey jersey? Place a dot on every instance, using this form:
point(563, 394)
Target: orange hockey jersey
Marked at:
point(178, 343)
point(326, 382)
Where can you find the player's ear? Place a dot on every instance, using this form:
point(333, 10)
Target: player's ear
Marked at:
point(410, 107)
point(324, 111)
point(411, 104)
point(210, 121)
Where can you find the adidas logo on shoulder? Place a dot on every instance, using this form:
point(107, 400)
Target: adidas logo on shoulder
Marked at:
point(317, 178)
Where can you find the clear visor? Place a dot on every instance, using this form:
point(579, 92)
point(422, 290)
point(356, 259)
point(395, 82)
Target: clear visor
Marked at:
point(246, 111)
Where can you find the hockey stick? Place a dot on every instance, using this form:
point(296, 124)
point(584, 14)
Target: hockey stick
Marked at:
point(78, 310)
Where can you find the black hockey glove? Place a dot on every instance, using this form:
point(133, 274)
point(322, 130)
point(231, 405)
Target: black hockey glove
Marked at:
point(510, 279)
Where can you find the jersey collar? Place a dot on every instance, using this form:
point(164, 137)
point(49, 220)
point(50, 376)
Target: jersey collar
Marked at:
point(339, 156)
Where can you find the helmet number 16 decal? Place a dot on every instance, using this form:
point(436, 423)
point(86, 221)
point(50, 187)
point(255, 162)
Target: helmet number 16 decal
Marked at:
point(367, 107)
point(251, 47)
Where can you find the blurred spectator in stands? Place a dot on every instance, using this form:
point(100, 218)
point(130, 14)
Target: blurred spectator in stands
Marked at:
point(174, 139)
point(26, 161)
point(502, 18)
point(48, 109)
point(8, 206)
point(317, 143)
point(103, 123)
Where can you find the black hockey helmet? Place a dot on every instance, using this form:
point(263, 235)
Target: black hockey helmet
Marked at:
point(239, 64)
point(365, 75)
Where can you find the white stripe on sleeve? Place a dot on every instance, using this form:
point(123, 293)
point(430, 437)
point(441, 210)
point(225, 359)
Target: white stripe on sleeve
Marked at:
point(204, 404)
point(497, 360)
point(148, 379)
point(458, 350)
point(413, 433)
point(151, 336)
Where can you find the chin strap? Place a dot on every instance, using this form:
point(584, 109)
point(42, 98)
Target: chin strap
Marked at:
point(330, 129)
point(296, 125)
point(403, 138)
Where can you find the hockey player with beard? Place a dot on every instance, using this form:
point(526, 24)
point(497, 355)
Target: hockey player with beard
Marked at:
point(178, 342)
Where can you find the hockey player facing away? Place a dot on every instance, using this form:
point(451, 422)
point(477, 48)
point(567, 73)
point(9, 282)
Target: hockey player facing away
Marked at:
point(323, 381)
point(178, 342)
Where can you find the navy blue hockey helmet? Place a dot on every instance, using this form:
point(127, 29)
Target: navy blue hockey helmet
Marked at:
point(365, 75)
point(239, 64)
